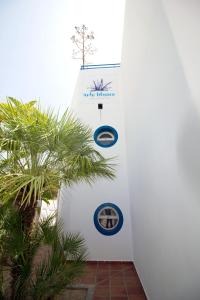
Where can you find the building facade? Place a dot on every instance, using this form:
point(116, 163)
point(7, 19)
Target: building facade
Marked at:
point(153, 104)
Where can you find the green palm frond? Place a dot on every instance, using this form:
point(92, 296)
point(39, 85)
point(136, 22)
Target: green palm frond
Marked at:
point(56, 272)
point(57, 267)
point(39, 151)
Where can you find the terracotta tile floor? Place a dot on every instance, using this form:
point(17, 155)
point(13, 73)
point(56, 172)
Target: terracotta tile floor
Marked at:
point(113, 281)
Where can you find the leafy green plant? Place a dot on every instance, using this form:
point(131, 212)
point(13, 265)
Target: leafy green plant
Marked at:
point(39, 152)
point(38, 265)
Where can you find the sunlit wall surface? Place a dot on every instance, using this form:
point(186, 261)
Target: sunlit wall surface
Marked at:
point(160, 75)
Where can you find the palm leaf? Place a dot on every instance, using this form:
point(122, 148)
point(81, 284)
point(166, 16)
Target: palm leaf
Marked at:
point(58, 266)
point(39, 151)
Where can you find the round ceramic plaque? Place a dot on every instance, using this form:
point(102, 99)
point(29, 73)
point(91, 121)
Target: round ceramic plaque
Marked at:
point(108, 219)
point(105, 136)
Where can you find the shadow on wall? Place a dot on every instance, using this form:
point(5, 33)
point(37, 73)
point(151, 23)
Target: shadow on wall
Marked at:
point(188, 149)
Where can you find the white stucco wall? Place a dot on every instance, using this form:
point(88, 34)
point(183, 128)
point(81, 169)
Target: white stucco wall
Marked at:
point(183, 17)
point(160, 68)
point(78, 204)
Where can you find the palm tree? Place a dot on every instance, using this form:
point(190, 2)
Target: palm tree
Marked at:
point(29, 272)
point(39, 152)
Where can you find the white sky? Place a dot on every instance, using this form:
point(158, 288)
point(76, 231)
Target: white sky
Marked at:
point(36, 50)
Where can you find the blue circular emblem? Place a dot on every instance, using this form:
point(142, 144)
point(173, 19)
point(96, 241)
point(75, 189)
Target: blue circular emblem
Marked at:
point(108, 219)
point(105, 136)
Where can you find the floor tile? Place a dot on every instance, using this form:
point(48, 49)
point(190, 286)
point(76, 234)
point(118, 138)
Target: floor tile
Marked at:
point(134, 290)
point(119, 298)
point(113, 281)
point(101, 298)
point(102, 292)
point(137, 297)
point(105, 282)
point(114, 273)
point(117, 280)
point(102, 276)
point(102, 265)
point(116, 266)
point(132, 281)
point(129, 272)
point(118, 291)
point(90, 267)
point(88, 280)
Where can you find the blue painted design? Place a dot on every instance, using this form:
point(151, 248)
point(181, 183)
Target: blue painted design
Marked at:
point(98, 85)
point(105, 129)
point(83, 69)
point(99, 94)
point(100, 66)
point(97, 216)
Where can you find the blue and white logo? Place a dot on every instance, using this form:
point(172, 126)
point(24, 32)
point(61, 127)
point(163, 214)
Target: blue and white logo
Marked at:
point(99, 88)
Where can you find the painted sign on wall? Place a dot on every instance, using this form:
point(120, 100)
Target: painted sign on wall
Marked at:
point(100, 88)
